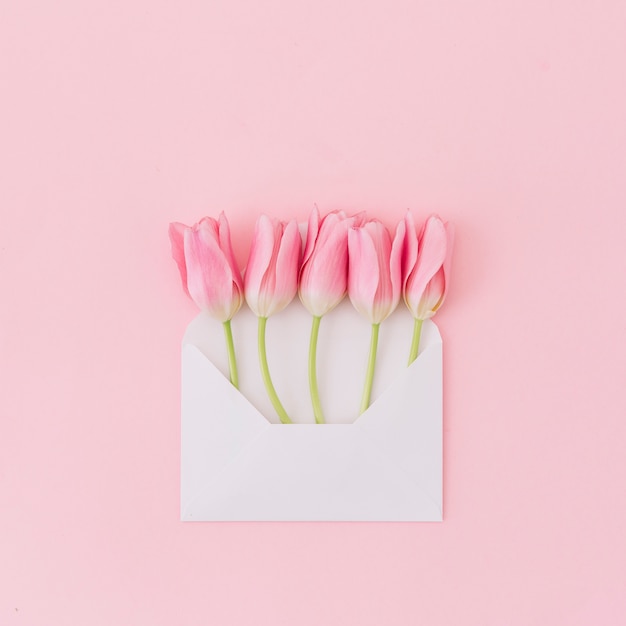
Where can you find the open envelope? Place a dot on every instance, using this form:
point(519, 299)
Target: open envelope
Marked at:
point(237, 465)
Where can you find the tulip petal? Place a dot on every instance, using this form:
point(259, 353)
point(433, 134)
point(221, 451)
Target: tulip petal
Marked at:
point(227, 248)
point(358, 219)
point(384, 294)
point(324, 278)
point(447, 264)
point(225, 244)
point(311, 234)
point(271, 279)
point(209, 224)
point(363, 271)
point(432, 297)
point(259, 260)
point(177, 234)
point(327, 227)
point(410, 247)
point(268, 282)
point(432, 253)
point(395, 264)
point(209, 276)
point(287, 267)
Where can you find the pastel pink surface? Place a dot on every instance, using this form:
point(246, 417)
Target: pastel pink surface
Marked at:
point(506, 118)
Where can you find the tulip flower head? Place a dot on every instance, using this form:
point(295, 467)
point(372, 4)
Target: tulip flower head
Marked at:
point(271, 282)
point(426, 268)
point(375, 269)
point(271, 278)
point(374, 281)
point(210, 275)
point(324, 279)
point(207, 266)
point(324, 271)
point(426, 271)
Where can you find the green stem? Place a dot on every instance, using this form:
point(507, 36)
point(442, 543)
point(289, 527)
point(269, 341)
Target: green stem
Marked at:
point(315, 395)
point(265, 371)
point(232, 362)
point(369, 378)
point(415, 344)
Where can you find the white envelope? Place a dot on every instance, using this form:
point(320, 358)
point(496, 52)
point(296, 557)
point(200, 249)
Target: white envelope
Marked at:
point(239, 465)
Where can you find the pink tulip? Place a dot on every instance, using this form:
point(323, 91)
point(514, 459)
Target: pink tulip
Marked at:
point(374, 281)
point(375, 269)
point(324, 271)
point(207, 266)
point(324, 279)
point(427, 265)
point(426, 271)
point(271, 282)
point(210, 274)
point(271, 278)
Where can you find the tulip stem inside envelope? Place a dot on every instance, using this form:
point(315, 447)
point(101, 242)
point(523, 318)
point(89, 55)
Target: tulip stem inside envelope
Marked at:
point(240, 464)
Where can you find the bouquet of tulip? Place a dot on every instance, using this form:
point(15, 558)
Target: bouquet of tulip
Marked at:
point(339, 255)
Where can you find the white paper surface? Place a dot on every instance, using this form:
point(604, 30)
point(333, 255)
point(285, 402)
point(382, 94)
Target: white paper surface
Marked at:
point(240, 463)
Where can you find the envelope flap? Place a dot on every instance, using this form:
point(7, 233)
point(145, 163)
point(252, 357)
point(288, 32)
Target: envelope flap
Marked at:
point(217, 421)
point(413, 439)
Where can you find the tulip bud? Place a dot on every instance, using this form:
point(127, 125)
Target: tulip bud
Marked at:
point(324, 279)
point(426, 271)
point(210, 275)
point(374, 281)
point(324, 272)
point(271, 278)
point(207, 266)
point(375, 269)
point(271, 282)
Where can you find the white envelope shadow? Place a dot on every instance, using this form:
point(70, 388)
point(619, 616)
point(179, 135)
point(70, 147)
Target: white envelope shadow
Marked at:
point(238, 466)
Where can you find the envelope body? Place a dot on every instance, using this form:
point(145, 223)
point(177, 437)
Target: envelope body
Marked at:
point(384, 465)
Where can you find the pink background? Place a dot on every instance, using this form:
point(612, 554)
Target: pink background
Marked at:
point(507, 117)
